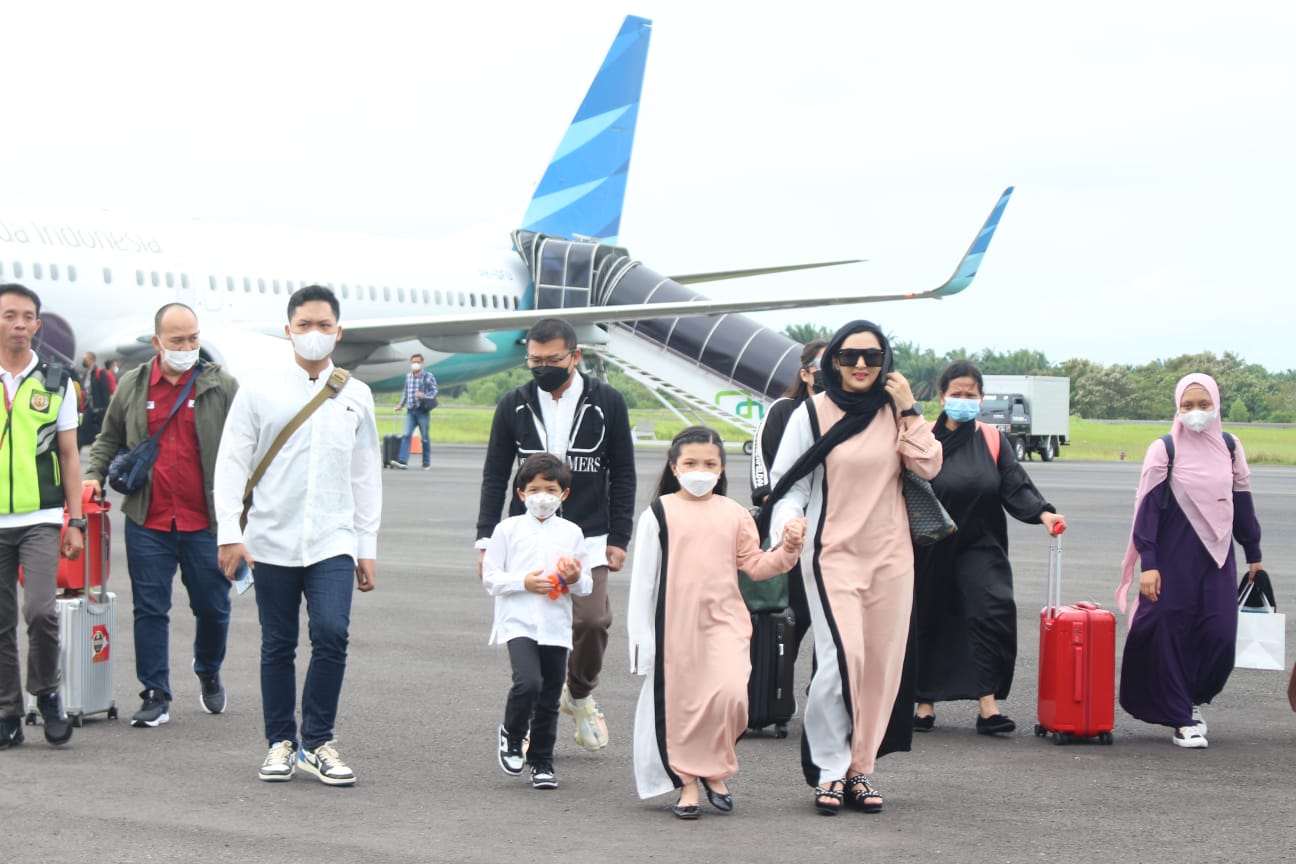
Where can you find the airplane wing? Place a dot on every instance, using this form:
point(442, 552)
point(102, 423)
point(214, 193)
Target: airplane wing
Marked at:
point(470, 327)
point(695, 278)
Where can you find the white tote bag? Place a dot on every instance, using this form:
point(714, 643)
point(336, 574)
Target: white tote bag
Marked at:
point(1261, 637)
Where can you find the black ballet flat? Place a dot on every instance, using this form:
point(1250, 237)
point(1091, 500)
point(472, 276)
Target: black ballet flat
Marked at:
point(720, 801)
point(994, 725)
point(686, 811)
point(924, 724)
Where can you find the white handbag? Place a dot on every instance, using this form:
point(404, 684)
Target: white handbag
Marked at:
point(1261, 636)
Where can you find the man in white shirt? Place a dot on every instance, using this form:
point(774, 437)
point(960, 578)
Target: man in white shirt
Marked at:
point(312, 527)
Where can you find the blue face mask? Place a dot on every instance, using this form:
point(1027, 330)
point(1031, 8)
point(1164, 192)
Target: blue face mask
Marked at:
point(962, 410)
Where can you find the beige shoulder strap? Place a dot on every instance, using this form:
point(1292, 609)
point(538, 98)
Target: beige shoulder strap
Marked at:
point(331, 388)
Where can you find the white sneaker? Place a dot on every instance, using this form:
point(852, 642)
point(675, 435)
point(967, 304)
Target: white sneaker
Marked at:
point(591, 728)
point(511, 759)
point(280, 763)
point(325, 763)
point(1198, 720)
point(1190, 737)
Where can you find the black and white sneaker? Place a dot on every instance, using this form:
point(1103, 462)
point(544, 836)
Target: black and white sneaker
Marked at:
point(542, 776)
point(11, 734)
point(58, 729)
point(154, 712)
point(510, 755)
point(280, 763)
point(212, 694)
point(325, 763)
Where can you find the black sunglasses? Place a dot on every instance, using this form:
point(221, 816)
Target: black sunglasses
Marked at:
point(848, 357)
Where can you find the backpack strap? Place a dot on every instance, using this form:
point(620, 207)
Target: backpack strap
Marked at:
point(991, 435)
point(1168, 441)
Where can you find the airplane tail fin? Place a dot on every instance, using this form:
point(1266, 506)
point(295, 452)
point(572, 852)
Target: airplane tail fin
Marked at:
point(583, 188)
point(967, 268)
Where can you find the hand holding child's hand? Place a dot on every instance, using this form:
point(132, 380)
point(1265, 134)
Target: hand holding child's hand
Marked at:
point(537, 583)
point(569, 569)
point(794, 534)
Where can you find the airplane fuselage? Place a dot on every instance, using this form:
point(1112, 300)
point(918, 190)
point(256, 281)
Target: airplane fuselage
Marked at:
point(102, 276)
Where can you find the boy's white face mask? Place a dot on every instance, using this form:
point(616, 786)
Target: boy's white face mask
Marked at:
point(542, 505)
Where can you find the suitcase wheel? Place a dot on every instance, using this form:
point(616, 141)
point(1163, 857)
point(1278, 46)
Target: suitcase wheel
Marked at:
point(1060, 738)
point(31, 718)
point(1040, 731)
point(78, 720)
point(1105, 738)
point(780, 730)
point(112, 712)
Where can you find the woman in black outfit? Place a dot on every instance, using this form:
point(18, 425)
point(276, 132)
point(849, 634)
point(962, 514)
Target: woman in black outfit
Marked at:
point(967, 619)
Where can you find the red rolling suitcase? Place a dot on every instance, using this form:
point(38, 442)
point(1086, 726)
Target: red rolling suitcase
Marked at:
point(97, 536)
point(1077, 664)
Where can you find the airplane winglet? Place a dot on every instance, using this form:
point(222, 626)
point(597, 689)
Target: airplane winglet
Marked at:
point(967, 268)
point(583, 188)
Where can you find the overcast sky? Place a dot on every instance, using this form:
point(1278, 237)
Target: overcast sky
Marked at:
point(1150, 143)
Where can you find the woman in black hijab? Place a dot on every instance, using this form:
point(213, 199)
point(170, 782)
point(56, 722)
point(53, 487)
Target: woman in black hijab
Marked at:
point(839, 464)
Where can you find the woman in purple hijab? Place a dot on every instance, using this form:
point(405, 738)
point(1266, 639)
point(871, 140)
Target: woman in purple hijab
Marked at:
point(1194, 499)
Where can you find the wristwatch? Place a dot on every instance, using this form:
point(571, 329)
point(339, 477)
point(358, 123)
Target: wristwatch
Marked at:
point(79, 523)
point(913, 411)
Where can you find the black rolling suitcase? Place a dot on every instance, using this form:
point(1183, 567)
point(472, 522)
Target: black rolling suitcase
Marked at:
point(770, 697)
point(390, 449)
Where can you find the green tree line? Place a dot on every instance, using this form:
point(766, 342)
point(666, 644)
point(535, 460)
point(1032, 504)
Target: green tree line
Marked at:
point(1248, 391)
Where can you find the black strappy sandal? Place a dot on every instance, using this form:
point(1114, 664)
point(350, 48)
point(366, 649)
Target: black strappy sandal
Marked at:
point(862, 796)
point(836, 796)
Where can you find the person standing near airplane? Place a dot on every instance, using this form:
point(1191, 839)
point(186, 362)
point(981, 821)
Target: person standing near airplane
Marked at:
point(170, 520)
point(41, 466)
point(418, 399)
point(584, 421)
point(96, 392)
point(311, 529)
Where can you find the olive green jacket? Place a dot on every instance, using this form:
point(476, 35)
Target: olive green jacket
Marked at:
point(126, 424)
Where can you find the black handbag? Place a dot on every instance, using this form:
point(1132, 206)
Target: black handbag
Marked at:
point(129, 469)
point(427, 403)
point(929, 521)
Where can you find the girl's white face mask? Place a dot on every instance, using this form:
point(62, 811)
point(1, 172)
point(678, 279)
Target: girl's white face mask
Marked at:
point(698, 483)
point(1198, 420)
point(314, 345)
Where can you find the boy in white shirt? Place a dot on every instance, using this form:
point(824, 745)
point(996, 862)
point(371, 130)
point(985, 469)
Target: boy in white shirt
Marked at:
point(532, 566)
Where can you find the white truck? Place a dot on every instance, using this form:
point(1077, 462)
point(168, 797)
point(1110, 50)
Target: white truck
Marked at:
point(1033, 410)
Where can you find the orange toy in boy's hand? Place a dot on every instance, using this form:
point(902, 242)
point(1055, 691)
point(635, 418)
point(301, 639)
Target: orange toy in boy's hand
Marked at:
point(559, 582)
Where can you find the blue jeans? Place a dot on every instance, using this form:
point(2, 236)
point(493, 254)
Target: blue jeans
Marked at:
point(415, 417)
point(152, 558)
point(327, 586)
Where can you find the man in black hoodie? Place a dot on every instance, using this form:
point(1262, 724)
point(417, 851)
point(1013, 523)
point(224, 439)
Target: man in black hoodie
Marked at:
point(584, 421)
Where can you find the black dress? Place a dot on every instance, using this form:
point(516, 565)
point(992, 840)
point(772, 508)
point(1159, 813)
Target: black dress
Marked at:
point(966, 617)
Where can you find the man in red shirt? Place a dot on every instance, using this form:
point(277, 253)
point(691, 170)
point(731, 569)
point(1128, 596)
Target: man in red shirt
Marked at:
point(169, 521)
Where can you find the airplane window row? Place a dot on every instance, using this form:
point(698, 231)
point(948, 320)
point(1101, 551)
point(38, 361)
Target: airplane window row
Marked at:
point(15, 270)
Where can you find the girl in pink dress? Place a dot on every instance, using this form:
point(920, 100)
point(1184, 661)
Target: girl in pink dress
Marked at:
point(690, 631)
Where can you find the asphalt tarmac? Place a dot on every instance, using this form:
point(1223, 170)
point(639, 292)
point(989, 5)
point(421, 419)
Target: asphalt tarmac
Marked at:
point(424, 695)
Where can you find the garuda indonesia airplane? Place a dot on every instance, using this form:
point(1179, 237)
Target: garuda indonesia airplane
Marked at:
point(101, 277)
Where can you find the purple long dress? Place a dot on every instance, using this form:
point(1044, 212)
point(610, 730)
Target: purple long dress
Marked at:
point(1179, 651)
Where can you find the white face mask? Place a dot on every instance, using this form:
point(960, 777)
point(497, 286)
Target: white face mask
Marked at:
point(542, 505)
point(180, 361)
point(698, 483)
point(415, 367)
point(314, 345)
point(1198, 421)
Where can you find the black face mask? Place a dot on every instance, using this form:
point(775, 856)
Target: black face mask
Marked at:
point(818, 380)
point(550, 378)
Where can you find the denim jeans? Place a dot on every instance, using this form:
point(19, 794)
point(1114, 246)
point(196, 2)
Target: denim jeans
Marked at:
point(415, 417)
point(152, 558)
point(327, 586)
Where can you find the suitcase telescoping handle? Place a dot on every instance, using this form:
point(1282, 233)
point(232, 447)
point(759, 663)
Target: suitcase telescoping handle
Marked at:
point(1054, 599)
point(100, 552)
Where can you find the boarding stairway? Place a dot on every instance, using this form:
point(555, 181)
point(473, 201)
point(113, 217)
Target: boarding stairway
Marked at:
point(717, 367)
point(693, 393)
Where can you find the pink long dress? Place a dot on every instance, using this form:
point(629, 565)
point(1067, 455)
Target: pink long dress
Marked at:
point(690, 635)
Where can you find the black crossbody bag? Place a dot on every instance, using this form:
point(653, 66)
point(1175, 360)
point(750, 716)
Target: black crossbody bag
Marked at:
point(129, 469)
